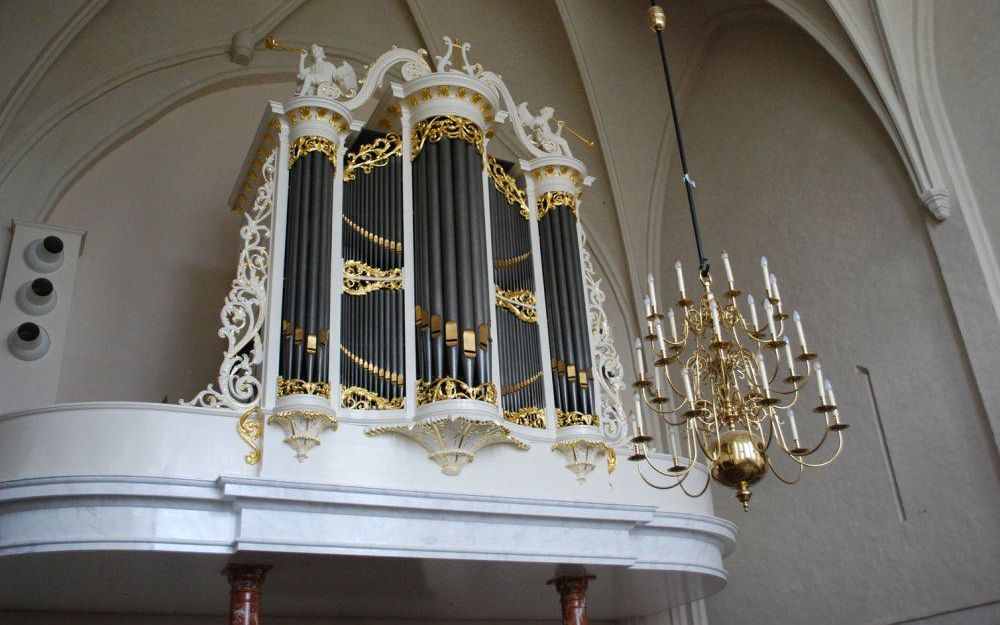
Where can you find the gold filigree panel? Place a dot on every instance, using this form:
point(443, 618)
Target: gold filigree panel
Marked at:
point(507, 186)
point(520, 303)
point(361, 278)
point(304, 145)
point(295, 386)
point(566, 419)
point(530, 417)
point(439, 127)
point(378, 153)
point(548, 201)
point(453, 388)
point(359, 398)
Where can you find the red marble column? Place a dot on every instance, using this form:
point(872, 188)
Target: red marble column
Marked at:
point(573, 596)
point(245, 581)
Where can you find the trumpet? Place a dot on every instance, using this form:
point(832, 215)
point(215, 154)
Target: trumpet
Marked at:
point(273, 44)
point(587, 142)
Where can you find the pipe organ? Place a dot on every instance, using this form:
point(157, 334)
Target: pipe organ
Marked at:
point(403, 274)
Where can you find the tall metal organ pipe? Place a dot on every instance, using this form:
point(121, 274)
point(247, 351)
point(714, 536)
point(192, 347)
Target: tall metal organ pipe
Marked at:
point(566, 312)
point(452, 287)
point(372, 335)
point(305, 301)
point(517, 321)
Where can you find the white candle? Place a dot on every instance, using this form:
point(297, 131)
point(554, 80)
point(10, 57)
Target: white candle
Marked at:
point(820, 385)
point(767, 275)
point(729, 270)
point(753, 312)
point(788, 357)
point(660, 339)
point(674, 445)
point(637, 416)
point(793, 426)
point(715, 317)
point(687, 386)
point(798, 330)
point(763, 375)
point(774, 287)
point(652, 292)
point(673, 325)
point(640, 368)
point(649, 308)
point(829, 393)
point(770, 319)
point(680, 278)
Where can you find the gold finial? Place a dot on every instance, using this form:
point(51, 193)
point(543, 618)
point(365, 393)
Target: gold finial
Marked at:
point(657, 18)
point(271, 43)
point(456, 41)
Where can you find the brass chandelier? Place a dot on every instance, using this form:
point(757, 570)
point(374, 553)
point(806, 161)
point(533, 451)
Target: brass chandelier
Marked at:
point(724, 384)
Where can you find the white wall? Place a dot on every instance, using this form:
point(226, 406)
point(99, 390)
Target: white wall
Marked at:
point(162, 247)
point(967, 54)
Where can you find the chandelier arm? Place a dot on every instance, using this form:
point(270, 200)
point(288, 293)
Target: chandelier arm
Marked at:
point(653, 407)
point(671, 423)
point(817, 465)
point(679, 475)
point(704, 488)
point(673, 387)
point(703, 266)
point(702, 444)
point(656, 486)
point(778, 475)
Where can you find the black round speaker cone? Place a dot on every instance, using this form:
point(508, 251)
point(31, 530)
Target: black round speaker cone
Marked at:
point(28, 331)
point(42, 287)
point(52, 244)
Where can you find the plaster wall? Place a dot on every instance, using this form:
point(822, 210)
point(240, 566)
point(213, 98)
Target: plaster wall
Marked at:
point(967, 53)
point(161, 252)
point(790, 162)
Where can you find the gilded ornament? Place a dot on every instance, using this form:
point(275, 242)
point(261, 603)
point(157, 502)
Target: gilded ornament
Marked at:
point(393, 246)
point(304, 145)
point(520, 303)
point(453, 388)
point(358, 398)
point(394, 378)
point(530, 417)
point(375, 154)
point(250, 427)
point(548, 201)
point(362, 279)
point(296, 386)
point(436, 128)
point(507, 186)
point(575, 447)
point(517, 386)
point(510, 262)
point(565, 419)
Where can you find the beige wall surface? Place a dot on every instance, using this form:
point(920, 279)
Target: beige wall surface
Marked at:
point(967, 58)
point(161, 251)
point(790, 162)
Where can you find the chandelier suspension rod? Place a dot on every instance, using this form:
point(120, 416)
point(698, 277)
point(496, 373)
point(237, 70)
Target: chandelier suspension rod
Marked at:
point(657, 21)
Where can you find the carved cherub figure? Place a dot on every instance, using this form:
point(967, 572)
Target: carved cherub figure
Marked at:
point(541, 133)
point(325, 78)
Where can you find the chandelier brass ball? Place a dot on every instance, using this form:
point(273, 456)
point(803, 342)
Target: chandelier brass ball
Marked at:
point(741, 462)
